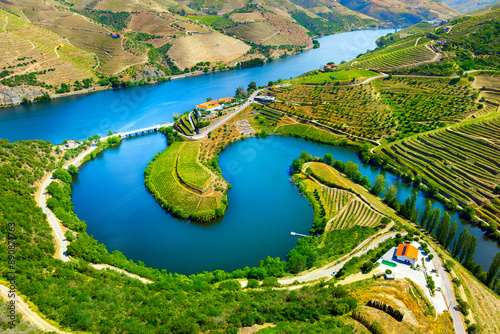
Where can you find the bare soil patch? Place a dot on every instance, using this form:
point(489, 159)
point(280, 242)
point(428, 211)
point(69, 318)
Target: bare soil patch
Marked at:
point(189, 50)
point(247, 17)
point(153, 24)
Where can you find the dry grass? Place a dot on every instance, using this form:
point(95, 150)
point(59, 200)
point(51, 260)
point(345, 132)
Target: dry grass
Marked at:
point(247, 17)
point(121, 5)
point(484, 304)
point(213, 47)
point(257, 32)
point(401, 295)
point(153, 23)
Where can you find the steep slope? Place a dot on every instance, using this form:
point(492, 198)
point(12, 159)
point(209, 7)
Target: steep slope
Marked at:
point(466, 6)
point(402, 13)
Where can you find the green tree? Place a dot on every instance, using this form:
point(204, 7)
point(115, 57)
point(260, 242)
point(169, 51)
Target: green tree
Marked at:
point(468, 251)
point(433, 188)
point(365, 182)
point(443, 228)
point(297, 165)
point(391, 194)
point(494, 270)
point(328, 159)
point(460, 243)
point(426, 214)
point(451, 234)
point(351, 169)
point(379, 185)
point(434, 220)
point(252, 86)
point(306, 156)
point(72, 170)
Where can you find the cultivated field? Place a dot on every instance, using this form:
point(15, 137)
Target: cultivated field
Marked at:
point(342, 208)
point(384, 108)
point(190, 171)
point(338, 76)
point(184, 187)
point(153, 23)
point(28, 48)
point(187, 51)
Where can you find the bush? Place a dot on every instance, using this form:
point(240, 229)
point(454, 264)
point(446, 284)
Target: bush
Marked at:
point(388, 271)
point(253, 283)
point(270, 282)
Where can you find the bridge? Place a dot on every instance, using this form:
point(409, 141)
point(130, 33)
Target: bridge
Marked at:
point(143, 131)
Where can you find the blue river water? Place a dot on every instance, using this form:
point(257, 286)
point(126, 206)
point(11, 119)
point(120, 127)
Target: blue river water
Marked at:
point(79, 117)
point(264, 207)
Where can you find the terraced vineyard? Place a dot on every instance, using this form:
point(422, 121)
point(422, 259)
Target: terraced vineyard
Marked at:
point(356, 110)
point(340, 207)
point(397, 107)
point(355, 213)
point(463, 160)
point(190, 171)
point(171, 177)
point(410, 56)
point(41, 50)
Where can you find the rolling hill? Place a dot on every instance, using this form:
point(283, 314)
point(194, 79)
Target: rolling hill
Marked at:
point(58, 47)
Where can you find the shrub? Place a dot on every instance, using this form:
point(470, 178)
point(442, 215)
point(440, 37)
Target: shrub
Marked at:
point(388, 271)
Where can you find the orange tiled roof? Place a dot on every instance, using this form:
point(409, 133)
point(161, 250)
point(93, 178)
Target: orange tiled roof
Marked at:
point(213, 103)
point(407, 250)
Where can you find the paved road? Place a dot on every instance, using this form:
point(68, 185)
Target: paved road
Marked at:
point(28, 314)
point(226, 118)
point(326, 271)
point(448, 294)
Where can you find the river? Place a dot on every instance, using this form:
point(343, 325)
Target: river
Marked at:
point(264, 207)
point(82, 116)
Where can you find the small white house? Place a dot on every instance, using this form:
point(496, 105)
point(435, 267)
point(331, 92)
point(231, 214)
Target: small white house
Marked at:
point(407, 253)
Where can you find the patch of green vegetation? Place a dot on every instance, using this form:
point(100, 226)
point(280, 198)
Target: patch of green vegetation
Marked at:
point(317, 26)
point(115, 20)
point(171, 178)
point(311, 133)
point(190, 170)
point(224, 22)
point(208, 19)
point(328, 77)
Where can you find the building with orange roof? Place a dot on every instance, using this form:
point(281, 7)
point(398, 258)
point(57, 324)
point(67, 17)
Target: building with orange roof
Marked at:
point(407, 253)
point(214, 104)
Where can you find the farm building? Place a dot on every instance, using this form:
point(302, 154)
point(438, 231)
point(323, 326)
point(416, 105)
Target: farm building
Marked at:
point(70, 144)
point(330, 66)
point(214, 104)
point(265, 99)
point(407, 253)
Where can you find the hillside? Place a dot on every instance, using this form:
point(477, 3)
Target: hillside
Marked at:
point(402, 13)
point(467, 6)
point(59, 47)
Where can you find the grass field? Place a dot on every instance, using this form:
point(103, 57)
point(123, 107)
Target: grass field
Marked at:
point(339, 76)
point(177, 181)
point(205, 18)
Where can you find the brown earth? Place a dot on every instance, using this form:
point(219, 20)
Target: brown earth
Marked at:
point(247, 17)
point(213, 47)
point(153, 23)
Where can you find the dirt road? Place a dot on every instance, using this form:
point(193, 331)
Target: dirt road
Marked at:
point(28, 314)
